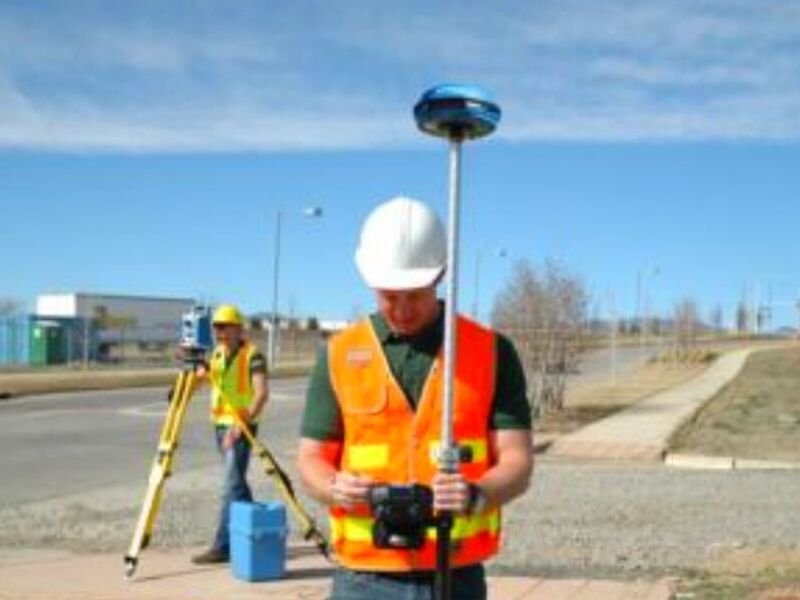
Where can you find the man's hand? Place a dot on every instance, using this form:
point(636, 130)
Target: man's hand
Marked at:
point(450, 492)
point(231, 436)
point(348, 489)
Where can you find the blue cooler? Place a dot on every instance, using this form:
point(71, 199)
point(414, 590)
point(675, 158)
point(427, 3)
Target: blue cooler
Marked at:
point(258, 540)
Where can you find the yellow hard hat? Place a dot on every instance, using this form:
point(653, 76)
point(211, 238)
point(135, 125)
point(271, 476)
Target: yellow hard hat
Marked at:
point(227, 314)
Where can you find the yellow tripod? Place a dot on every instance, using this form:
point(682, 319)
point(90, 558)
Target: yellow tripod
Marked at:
point(182, 392)
point(162, 466)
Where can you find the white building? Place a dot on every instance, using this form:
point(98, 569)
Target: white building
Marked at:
point(118, 317)
point(332, 325)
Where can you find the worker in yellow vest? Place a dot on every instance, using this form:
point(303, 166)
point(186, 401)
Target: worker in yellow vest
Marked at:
point(237, 373)
point(373, 416)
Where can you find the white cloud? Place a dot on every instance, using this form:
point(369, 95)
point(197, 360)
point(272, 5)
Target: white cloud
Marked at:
point(209, 76)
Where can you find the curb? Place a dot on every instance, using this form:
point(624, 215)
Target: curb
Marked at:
point(28, 384)
point(607, 450)
point(699, 461)
point(16, 385)
point(543, 441)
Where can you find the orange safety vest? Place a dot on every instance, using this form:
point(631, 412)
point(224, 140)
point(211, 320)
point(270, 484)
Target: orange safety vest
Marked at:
point(387, 440)
point(233, 381)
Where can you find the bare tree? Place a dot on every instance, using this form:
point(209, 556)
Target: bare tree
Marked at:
point(717, 318)
point(10, 306)
point(544, 314)
point(686, 324)
point(742, 317)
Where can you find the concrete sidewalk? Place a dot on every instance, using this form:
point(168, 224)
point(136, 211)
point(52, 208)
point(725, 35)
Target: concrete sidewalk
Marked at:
point(169, 575)
point(643, 430)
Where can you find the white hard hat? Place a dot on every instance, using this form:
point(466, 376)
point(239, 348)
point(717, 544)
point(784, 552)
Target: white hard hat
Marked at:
point(402, 246)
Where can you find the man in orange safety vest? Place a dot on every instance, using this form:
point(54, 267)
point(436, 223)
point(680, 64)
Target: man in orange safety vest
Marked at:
point(373, 416)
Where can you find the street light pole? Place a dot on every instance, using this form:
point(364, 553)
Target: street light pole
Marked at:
point(639, 304)
point(614, 326)
point(641, 310)
point(273, 328)
point(476, 304)
point(311, 212)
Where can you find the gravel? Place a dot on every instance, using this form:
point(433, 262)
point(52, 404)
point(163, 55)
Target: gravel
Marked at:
point(629, 520)
point(578, 519)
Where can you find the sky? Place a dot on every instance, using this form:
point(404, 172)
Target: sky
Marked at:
point(147, 147)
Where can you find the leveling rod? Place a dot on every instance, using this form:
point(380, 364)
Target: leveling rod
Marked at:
point(457, 113)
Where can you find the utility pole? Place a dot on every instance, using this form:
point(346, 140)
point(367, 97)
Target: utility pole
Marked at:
point(85, 342)
point(639, 304)
point(614, 327)
point(797, 333)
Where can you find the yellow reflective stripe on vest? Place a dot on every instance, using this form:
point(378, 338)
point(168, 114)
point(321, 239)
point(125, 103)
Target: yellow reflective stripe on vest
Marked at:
point(353, 529)
point(478, 447)
point(370, 456)
point(359, 529)
point(337, 529)
point(464, 527)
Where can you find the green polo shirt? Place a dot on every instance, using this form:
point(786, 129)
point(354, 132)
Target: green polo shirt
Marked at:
point(410, 359)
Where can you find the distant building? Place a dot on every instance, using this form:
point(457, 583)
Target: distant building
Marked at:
point(332, 325)
point(263, 321)
point(119, 319)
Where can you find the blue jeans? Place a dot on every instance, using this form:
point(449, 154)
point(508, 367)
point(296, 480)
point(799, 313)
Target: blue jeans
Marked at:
point(234, 485)
point(469, 583)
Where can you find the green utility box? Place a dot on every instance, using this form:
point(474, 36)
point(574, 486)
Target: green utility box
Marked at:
point(48, 344)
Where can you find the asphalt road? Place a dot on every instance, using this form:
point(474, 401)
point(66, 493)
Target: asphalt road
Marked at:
point(61, 444)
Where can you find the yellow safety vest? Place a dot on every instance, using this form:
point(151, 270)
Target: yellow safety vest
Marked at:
point(232, 380)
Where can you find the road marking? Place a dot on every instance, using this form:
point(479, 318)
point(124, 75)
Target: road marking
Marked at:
point(55, 412)
point(145, 410)
point(159, 407)
point(283, 396)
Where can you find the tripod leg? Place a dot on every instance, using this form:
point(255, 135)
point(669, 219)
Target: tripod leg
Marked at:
point(161, 469)
point(279, 476)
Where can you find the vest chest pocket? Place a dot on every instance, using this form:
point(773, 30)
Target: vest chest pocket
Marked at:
point(360, 400)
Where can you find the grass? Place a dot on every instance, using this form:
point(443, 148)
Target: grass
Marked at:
point(756, 416)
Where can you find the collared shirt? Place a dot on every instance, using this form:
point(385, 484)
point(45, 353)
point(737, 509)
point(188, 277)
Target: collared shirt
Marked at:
point(410, 359)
